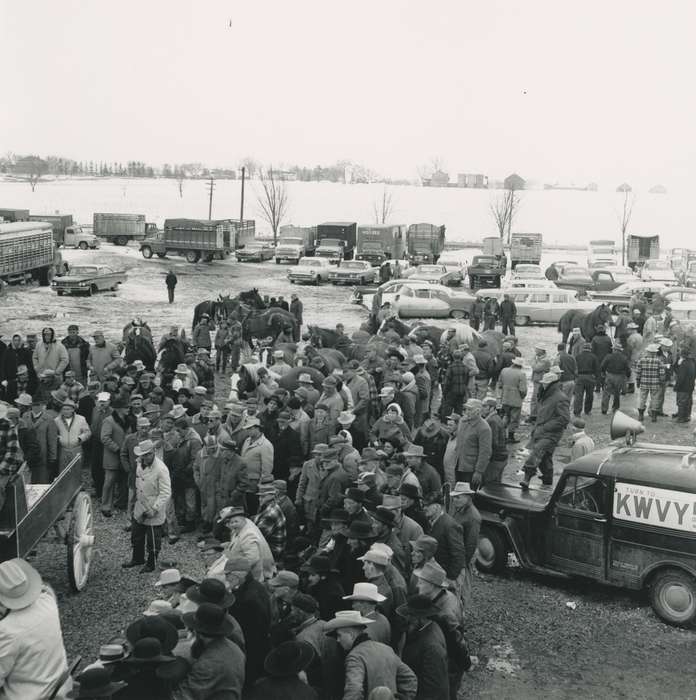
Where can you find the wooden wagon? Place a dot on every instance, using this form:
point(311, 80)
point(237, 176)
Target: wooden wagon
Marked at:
point(31, 511)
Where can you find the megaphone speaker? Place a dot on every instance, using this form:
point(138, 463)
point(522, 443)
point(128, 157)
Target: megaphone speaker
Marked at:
point(621, 425)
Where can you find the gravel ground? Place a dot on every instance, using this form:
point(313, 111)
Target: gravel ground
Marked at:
point(529, 642)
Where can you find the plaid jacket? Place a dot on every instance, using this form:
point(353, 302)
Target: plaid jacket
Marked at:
point(10, 451)
point(456, 379)
point(650, 372)
point(271, 522)
point(373, 411)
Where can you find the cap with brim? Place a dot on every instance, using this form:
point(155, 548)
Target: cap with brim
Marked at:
point(95, 683)
point(375, 557)
point(305, 602)
point(320, 448)
point(211, 590)
point(653, 347)
point(112, 653)
point(231, 512)
point(433, 573)
point(288, 659)
point(365, 591)
point(517, 361)
point(285, 578)
point(20, 584)
point(426, 544)
point(418, 606)
point(346, 618)
point(252, 422)
point(454, 417)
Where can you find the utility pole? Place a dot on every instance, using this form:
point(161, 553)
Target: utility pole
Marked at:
point(211, 187)
point(241, 210)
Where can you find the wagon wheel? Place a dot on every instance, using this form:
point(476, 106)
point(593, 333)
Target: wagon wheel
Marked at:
point(79, 541)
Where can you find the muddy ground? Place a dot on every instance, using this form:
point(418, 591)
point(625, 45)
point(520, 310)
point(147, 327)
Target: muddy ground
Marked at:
point(530, 643)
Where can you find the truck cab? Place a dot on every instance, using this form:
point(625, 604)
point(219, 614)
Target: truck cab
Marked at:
point(77, 237)
point(331, 248)
point(622, 516)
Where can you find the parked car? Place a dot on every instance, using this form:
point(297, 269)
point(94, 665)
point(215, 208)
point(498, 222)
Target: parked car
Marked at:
point(416, 299)
point(658, 271)
point(575, 277)
point(539, 304)
point(363, 295)
point(526, 283)
point(438, 274)
point(558, 266)
point(310, 271)
point(354, 272)
point(527, 271)
point(682, 302)
point(255, 252)
point(88, 279)
point(619, 297)
point(621, 516)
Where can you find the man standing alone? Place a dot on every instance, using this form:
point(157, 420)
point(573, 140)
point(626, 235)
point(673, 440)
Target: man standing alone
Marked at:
point(508, 312)
point(171, 281)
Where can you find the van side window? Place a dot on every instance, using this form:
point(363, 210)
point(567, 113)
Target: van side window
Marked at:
point(559, 298)
point(584, 493)
point(520, 298)
point(539, 298)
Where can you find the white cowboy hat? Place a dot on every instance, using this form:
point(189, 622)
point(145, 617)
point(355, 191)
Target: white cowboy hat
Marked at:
point(347, 618)
point(20, 584)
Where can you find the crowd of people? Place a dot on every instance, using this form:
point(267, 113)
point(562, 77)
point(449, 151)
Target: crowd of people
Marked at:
point(335, 519)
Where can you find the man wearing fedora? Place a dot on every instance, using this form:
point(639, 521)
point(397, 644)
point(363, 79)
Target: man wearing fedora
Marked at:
point(113, 436)
point(324, 585)
point(369, 664)
point(257, 454)
point(73, 431)
point(33, 662)
point(473, 441)
point(96, 682)
point(432, 437)
point(46, 432)
point(152, 494)
point(282, 667)
point(425, 649)
point(427, 476)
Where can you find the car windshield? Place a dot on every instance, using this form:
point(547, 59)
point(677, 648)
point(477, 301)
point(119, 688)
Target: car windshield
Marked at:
point(83, 270)
point(254, 246)
point(527, 269)
point(659, 265)
point(305, 262)
point(353, 265)
point(431, 268)
point(575, 272)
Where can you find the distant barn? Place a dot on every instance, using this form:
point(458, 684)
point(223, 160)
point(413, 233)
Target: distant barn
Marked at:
point(514, 182)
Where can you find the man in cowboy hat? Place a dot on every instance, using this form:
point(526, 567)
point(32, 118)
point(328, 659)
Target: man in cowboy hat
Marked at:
point(428, 478)
point(588, 371)
point(365, 598)
point(152, 493)
point(73, 431)
point(334, 482)
point(282, 666)
point(432, 436)
point(369, 664)
point(512, 384)
point(425, 649)
point(33, 662)
point(218, 668)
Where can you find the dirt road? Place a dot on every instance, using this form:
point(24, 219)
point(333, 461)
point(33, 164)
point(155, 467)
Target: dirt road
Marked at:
point(530, 644)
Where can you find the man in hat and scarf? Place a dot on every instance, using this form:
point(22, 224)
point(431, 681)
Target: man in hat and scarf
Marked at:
point(49, 354)
point(73, 431)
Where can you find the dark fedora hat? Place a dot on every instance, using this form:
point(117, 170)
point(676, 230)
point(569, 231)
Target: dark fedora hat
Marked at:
point(211, 590)
point(153, 626)
point(318, 564)
point(289, 658)
point(211, 620)
point(360, 530)
point(384, 516)
point(95, 683)
point(418, 606)
point(354, 494)
point(148, 650)
point(410, 491)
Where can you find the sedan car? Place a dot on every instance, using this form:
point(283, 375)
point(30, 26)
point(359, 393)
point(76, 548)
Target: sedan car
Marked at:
point(255, 252)
point(88, 279)
point(575, 277)
point(658, 271)
point(528, 271)
point(620, 297)
point(439, 274)
point(310, 271)
point(425, 300)
point(354, 272)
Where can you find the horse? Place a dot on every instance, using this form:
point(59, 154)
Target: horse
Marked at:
point(463, 333)
point(587, 323)
point(210, 307)
point(331, 359)
point(172, 353)
point(322, 337)
point(252, 298)
point(267, 323)
point(138, 345)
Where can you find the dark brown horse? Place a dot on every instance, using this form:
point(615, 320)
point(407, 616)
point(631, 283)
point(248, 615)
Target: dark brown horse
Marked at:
point(587, 323)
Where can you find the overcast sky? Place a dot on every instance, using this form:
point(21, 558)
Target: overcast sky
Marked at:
point(595, 90)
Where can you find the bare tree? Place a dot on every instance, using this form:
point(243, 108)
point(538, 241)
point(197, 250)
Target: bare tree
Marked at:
point(272, 200)
point(629, 200)
point(504, 209)
point(383, 207)
point(252, 167)
point(31, 168)
point(435, 164)
point(180, 176)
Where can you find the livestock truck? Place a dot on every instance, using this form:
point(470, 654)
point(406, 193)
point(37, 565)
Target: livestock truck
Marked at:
point(525, 248)
point(13, 215)
point(295, 242)
point(425, 243)
point(194, 239)
point(66, 233)
point(336, 240)
point(28, 252)
point(121, 228)
point(380, 242)
point(639, 249)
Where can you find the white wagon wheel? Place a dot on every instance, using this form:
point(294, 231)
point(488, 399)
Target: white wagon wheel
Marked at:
point(80, 541)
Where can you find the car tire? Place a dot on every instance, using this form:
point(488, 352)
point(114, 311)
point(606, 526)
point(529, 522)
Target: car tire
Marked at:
point(59, 292)
point(192, 256)
point(673, 596)
point(82, 245)
point(146, 251)
point(92, 290)
point(121, 240)
point(459, 314)
point(522, 320)
point(492, 550)
point(161, 255)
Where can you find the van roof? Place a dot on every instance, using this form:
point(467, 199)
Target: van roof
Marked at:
point(664, 466)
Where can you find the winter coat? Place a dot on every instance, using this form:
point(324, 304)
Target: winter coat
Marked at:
point(498, 445)
point(425, 652)
point(553, 413)
point(331, 489)
point(474, 445)
point(684, 375)
point(451, 552)
point(46, 435)
point(183, 459)
point(320, 432)
point(433, 447)
point(370, 665)
point(513, 386)
point(112, 436)
point(207, 473)
point(152, 493)
point(249, 544)
point(287, 453)
point(258, 456)
point(281, 688)
point(601, 346)
point(383, 429)
point(70, 439)
point(200, 337)
point(50, 356)
point(102, 360)
point(78, 351)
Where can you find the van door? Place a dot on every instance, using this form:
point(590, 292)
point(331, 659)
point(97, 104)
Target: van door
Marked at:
point(579, 526)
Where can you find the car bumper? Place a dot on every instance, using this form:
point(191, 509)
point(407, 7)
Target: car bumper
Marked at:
point(302, 279)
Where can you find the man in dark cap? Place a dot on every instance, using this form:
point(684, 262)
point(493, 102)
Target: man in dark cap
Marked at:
point(588, 372)
point(324, 586)
point(78, 351)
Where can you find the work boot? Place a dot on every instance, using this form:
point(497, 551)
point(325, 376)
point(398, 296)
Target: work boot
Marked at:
point(641, 414)
point(653, 416)
point(131, 564)
point(150, 565)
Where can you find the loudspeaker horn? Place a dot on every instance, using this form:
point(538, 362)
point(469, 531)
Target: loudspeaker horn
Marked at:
point(624, 426)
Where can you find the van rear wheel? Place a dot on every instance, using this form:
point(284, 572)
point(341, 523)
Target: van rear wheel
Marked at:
point(82, 245)
point(121, 240)
point(673, 596)
point(492, 550)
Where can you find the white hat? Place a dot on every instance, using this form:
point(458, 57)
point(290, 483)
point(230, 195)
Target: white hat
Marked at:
point(347, 618)
point(157, 607)
point(365, 591)
point(375, 557)
point(461, 488)
point(103, 396)
point(167, 577)
point(20, 584)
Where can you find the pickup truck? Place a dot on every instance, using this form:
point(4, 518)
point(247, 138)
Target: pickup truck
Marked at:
point(437, 274)
point(620, 516)
point(88, 279)
point(485, 271)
